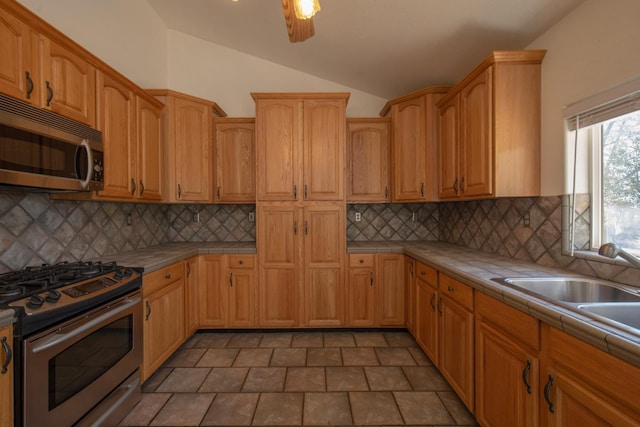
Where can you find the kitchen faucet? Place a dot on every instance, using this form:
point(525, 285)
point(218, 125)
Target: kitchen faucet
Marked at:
point(612, 250)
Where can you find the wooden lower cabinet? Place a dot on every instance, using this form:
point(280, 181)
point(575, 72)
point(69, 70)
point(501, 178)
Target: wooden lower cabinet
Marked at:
point(409, 294)
point(6, 377)
point(426, 298)
point(163, 329)
point(376, 290)
point(507, 344)
point(584, 386)
point(191, 295)
point(227, 291)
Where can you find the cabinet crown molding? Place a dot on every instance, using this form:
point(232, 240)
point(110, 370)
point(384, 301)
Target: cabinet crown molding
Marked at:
point(215, 108)
point(426, 91)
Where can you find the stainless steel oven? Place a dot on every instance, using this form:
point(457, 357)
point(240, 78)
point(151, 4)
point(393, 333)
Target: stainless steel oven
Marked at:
point(72, 364)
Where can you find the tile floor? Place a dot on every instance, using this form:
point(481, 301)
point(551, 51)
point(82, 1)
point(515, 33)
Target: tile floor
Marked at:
point(379, 378)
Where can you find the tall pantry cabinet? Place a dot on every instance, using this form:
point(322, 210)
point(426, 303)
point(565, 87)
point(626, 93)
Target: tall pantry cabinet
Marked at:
point(300, 150)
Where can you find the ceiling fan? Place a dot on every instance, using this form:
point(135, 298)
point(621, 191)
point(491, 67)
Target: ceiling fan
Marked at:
point(298, 14)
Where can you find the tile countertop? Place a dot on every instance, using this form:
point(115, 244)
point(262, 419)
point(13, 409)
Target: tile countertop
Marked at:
point(477, 268)
point(470, 266)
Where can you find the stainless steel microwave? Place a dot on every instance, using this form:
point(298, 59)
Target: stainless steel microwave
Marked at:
point(41, 150)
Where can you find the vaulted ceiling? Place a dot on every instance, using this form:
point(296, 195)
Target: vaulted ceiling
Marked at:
point(383, 47)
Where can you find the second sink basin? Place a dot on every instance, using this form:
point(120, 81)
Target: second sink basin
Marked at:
point(572, 290)
point(625, 313)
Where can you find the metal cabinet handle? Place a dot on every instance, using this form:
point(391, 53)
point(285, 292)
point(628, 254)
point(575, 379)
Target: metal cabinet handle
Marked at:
point(8, 354)
point(188, 270)
point(148, 310)
point(411, 269)
point(462, 184)
point(440, 306)
point(133, 187)
point(386, 193)
point(306, 228)
point(295, 228)
point(29, 84)
point(455, 185)
point(305, 191)
point(231, 279)
point(49, 93)
point(295, 192)
point(422, 189)
point(141, 188)
point(547, 392)
point(525, 376)
point(179, 191)
point(433, 302)
point(371, 278)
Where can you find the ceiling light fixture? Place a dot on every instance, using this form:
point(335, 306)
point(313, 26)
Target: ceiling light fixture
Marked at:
point(305, 9)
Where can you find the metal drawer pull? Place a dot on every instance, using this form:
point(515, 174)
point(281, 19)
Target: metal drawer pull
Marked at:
point(547, 390)
point(8, 353)
point(450, 288)
point(361, 261)
point(167, 276)
point(525, 376)
point(433, 302)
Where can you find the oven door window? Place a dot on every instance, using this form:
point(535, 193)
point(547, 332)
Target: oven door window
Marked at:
point(82, 363)
point(23, 151)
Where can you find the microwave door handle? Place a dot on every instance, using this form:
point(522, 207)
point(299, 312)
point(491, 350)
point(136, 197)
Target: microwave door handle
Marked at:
point(60, 337)
point(85, 183)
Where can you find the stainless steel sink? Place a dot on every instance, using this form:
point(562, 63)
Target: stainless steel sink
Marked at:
point(626, 313)
point(573, 290)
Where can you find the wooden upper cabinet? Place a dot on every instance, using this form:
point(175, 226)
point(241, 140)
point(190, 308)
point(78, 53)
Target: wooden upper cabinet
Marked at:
point(324, 149)
point(489, 126)
point(117, 121)
point(149, 126)
point(413, 144)
point(18, 72)
point(368, 160)
point(188, 143)
point(235, 160)
point(68, 83)
point(300, 146)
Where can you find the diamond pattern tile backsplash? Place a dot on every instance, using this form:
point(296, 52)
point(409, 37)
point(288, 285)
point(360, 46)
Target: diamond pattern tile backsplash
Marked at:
point(379, 222)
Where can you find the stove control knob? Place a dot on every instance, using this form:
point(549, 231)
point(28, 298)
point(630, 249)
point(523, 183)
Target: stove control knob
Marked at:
point(119, 275)
point(128, 271)
point(53, 296)
point(35, 301)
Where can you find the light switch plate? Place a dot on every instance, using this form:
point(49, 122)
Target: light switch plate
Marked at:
point(358, 216)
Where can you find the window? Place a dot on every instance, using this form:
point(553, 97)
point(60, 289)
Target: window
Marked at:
point(603, 135)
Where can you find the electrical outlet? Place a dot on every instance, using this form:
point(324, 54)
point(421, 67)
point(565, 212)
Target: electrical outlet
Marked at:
point(196, 217)
point(526, 219)
point(129, 220)
point(358, 216)
point(252, 216)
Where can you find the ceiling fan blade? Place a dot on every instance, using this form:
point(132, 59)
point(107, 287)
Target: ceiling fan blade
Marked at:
point(299, 29)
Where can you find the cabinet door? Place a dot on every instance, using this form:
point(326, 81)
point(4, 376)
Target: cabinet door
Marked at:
point(214, 291)
point(191, 295)
point(324, 149)
point(192, 139)
point(6, 378)
point(235, 161)
point(368, 161)
point(69, 83)
point(279, 229)
point(278, 148)
point(324, 249)
point(455, 336)
point(117, 121)
point(361, 297)
point(242, 289)
point(18, 77)
point(426, 327)
point(409, 294)
point(476, 149)
point(506, 380)
point(149, 151)
point(448, 149)
point(408, 156)
point(163, 330)
point(390, 289)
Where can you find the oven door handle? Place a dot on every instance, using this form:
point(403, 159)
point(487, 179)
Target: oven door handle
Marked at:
point(60, 337)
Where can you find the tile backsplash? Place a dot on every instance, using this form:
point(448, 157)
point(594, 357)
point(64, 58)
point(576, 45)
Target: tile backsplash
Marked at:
point(36, 230)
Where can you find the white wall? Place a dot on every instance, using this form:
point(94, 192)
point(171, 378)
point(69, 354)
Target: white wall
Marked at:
point(128, 35)
point(593, 48)
point(227, 76)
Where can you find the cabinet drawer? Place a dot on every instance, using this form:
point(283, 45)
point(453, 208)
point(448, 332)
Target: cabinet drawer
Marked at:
point(427, 274)
point(518, 325)
point(456, 291)
point(362, 260)
point(241, 261)
point(160, 278)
